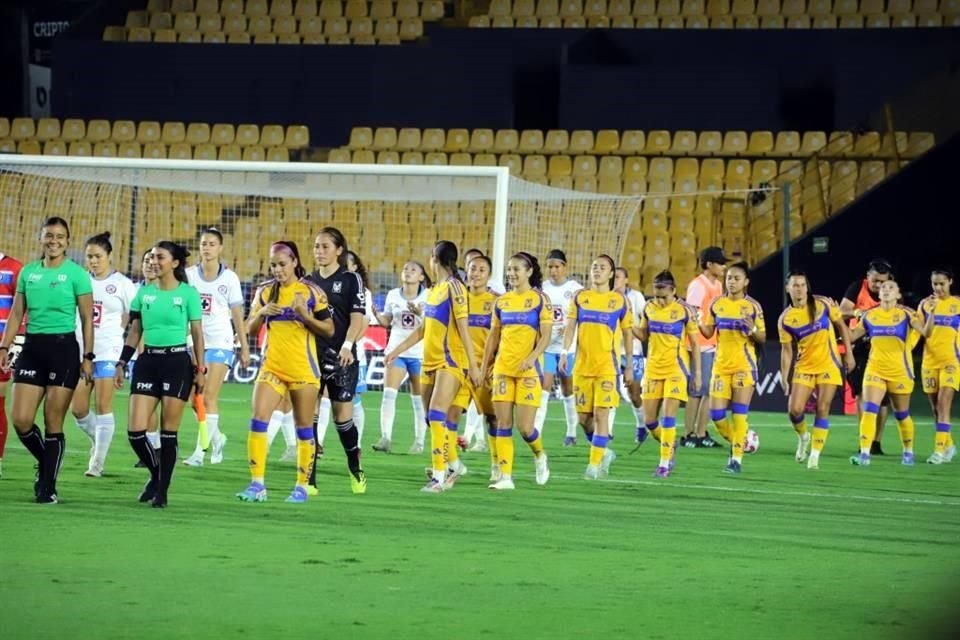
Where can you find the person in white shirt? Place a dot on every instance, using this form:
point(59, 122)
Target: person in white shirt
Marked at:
point(559, 291)
point(637, 362)
point(221, 300)
point(112, 294)
point(403, 315)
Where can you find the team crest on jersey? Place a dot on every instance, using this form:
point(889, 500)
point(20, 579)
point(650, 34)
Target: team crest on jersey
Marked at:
point(407, 320)
point(528, 304)
point(337, 287)
point(612, 305)
point(222, 289)
point(177, 301)
point(206, 303)
point(460, 300)
point(111, 288)
point(97, 313)
point(673, 315)
point(487, 307)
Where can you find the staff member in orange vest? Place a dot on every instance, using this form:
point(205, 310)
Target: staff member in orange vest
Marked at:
point(701, 292)
point(860, 297)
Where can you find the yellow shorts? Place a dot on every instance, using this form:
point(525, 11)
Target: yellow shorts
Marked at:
point(830, 376)
point(595, 392)
point(524, 392)
point(481, 397)
point(722, 385)
point(430, 377)
point(902, 385)
point(281, 383)
point(671, 388)
point(936, 378)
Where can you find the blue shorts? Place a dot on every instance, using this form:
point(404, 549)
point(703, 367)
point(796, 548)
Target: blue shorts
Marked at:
point(551, 364)
point(219, 356)
point(106, 369)
point(639, 366)
point(706, 374)
point(361, 382)
point(413, 366)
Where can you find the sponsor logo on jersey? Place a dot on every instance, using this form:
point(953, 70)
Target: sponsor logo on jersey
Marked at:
point(52, 376)
point(529, 383)
point(528, 304)
point(166, 386)
point(144, 386)
point(222, 289)
point(111, 288)
point(337, 287)
point(606, 385)
point(27, 373)
point(35, 277)
point(61, 277)
point(206, 303)
point(149, 299)
point(177, 301)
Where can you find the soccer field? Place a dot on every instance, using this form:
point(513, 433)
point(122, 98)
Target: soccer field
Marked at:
point(778, 551)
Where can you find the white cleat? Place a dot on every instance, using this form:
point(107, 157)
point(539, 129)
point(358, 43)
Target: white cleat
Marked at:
point(813, 462)
point(383, 444)
point(803, 446)
point(936, 458)
point(505, 483)
point(592, 472)
point(216, 449)
point(950, 453)
point(289, 454)
point(415, 449)
point(478, 447)
point(495, 474)
point(454, 473)
point(608, 457)
point(543, 471)
point(195, 460)
point(94, 471)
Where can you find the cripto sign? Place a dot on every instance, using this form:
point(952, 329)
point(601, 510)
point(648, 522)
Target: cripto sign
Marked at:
point(49, 29)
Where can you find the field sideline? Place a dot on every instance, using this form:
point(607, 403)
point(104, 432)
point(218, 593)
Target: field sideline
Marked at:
point(837, 553)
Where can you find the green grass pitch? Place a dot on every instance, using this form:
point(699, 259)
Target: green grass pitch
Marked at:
point(779, 551)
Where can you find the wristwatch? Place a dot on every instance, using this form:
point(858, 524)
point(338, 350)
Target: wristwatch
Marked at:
point(90, 356)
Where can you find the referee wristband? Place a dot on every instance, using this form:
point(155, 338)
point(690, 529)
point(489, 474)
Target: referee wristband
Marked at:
point(347, 344)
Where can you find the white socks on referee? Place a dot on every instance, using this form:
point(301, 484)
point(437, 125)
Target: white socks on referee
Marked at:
point(570, 412)
point(213, 426)
point(541, 416)
point(388, 411)
point(103, 436)
point(419, 418)
point(323, 420)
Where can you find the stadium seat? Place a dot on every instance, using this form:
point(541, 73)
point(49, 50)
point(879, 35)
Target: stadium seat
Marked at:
point(850, 22)
point(812, 142)
point(760, 143)
point(658, 142)
point(763, 171)
point(584, 166)
point(581, 142)
point(933, 21)
point(408, 9)
point(222, 134)
point(643, 8)
point(746, 22)
point(408, 139)
point(531, 141)
point(570, 8)
point(436, 158)
point(686, 168)
point(734, 143)
point(481, 141)
point(824, 22)
point(535, 165)
point(903, 21)
point(360, 138)
point(918, 143)
point(54, 148)
point(632, 142)
point(839, 143)
point(97, 130)
point(787, 143)
point(160, 21)
point(188, 21)
point(458, 140)
point(484, 160)
point(880, 21)
point(113, 33)
point(433, 140)
point(556, 141)
point(595, 8)
point(137, 20)
point(712, 169)
point(47, 129)
point(768, 8)
point(239, 38)
point(871, 174)
point(72, 129)
point(411, 29)
point(660, 169)
point(684, 143)
point(248, 134)
point(634, 168)
point(709, 143)
point(737, 174)
point(380, 9)
point(610, 167)
point(892, 145)
point(607, 141)
point(743, 8)
point(513, 161)
point(23, 129)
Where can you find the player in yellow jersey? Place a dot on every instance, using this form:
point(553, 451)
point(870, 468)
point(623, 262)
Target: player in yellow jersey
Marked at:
point(480, 301)
point(808, 330)
point(594, 316)
point(737, 321)
point(667, 325)
point(894, 331)
point(940, 370)
point(448, 360)
point(521, 331)
point(295, 312)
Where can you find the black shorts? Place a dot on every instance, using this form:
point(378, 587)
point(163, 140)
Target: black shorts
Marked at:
point(49, 360)
point(855, 377)
point(163, 373)
point(342, 385)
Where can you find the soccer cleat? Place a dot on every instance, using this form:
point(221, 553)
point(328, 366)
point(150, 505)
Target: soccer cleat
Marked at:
point(950, 453)
point(478, 447)
point(662, 472)
point(216, 449)
point(608, 457)
point(432, 487)
point(289, 454)
point(732, 467)
point(592, 472)
point(936, 458)
point(690, 442)
point(860, 460)
point(383, 444)
point(876, 449)
point(139, 465)
point(312, 490)
point(708, 443)
point(159, 501)
point(195, 460)
point(543, 471)
point(454, 474)
point(569, 441)
point(803, 446)
point(256, 492)
point(297, 496)
point(505, 483)
point(641, 436)
point(358, 482)
point(494, 473)
point(148, 492)
point(907, 459)
point(47, 498)
point(461, 443)
point(94, 471)
point(415, 449)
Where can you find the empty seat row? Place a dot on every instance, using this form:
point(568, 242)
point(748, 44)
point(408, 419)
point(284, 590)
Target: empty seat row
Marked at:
point(855, 21)
point(147, 131)
point(191, 23)
point(637, 142)
point(178, 150)
point(337, 31)
point(427, 9)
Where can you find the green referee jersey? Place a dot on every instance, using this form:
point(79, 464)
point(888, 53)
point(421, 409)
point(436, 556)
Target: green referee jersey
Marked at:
point(166, 315)
point(50, 294)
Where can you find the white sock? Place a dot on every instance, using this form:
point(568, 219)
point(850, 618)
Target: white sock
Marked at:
point(541, 416)
point(289, 430)
point(473, 430)
point(359, 418)
point(273, 427)
point(611, 419)
point(388, 411)
point(213, 426)
point(419, 419)
point(570, 412)
point(323, 420)
point(103, 438)
point(153, 437)
point(638, 416)
point(87, 424)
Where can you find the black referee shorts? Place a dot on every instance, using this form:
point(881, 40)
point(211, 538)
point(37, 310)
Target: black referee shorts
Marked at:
point(163, 372)
point(49, 360)
point(342, 385)
point(855, 377)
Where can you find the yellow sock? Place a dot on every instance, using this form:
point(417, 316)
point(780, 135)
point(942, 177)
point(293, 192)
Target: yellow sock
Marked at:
point(453, 454)
point(668, 438)
point(868, 425)
point(739, 432)
point(257, 449)
point(438, 443)
point(656, 432)
point(598, 447)
point(306, 454)
point(798, 424)
point(907, 430)
point(505, 451)
point(821, 429)
point(724, 428)
point(535, 442)
point(949, 439)
point(492, 445)
point(943, 439)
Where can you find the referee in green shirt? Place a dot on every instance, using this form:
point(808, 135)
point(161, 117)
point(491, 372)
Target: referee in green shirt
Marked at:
point(50, 291)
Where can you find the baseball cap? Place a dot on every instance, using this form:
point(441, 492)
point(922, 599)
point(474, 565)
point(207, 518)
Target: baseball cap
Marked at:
point(713, 254)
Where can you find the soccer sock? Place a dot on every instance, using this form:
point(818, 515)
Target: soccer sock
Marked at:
point(535, 442)
point(3, 425)
point(868, 425)
point(570, 413)
point(611, 419)
point(350, 441)
point(541, 417)
point(257, 449)
point(739, 432)
point(668, 436)
point(492, 441)
point(906, 428)
point(388, 411)
point(505, 451)
point(588, 431)
point(306, 454)
point(821, 429)
point(289, 430)
point(323, 420)
point(598, 447)
point(87, 424)
point(359, 418)
point(719, 417)
point(33, 441)
point(473, 430)
point(53, 447)
point(438, 443)
point(419, 419)
point(153, 437)
point(213, 426)
point(798, 424)
point(203, 431)
point(637, 416)
point(104, 436)
point(941, 440)
point(273, 427)
point(453, 454)
point(169, 449)
point(145, 451)
point(655, 430)
point(949, 441)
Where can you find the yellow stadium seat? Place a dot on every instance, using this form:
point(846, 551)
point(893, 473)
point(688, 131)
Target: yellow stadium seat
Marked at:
point(113, 33)
point(871, 174)
point(160, 21)
point(560, 182)
point(355, 9)
point(743, 8)
point(47, 129)
point(611, 167)
point(97, 130)
point(499, 8)
point(5, 128)
point(696, 22)
point(712, 169)
point(411, 29)
point(660, 169)
point(618, 8)
point(260, 24)
point(305, 8)
point(531, 141)
point(647, 22)
point(137, 20)
point(843, 182)
point(632, 142)
point(361, 27)
point(547, 8)
point(642, 8)
point(361, 138)
point(408, 9)
point(433, 140)
point(892, 144)
point(635, 187)
point(584, 166)
point(312, 26)
point(458, 140)
point(684, 143)
point(654, 222)
point(289, 38)
point(556, 141)
point(693, 8)
point(248, 134)
point(534, 165)
point(388, 157)
point(73, 129)
point(129, 150)
point(773, 22)
point(867, 145)
point(330, 9)
point(461, 159)
point(872, 7)
point(918, 143)
point(432, 10)
point(222, 133)
point(793, 8)
point(734, 143)
point(760, 143)
point(935, 21)
point(569, 8)
point(787, 143)
point(595, 8)
point(254, 153)
point(746, 22)
point(387, 28)
point(235, 24)
point(154, 150)
point(925, 7)
point(881, 21)
point(738, 174)
point(408, 139)
point(381, 9)
point(186, 22)
point(717, 8)
point(850, 22)
point(158, 5)
point(513, 161)
point(167, 35)
point(190, 36)
point(903, 21)
point(384, 138)
point(285, 25)
point(767, 8)
point(710, 143)
point(635, 167)
point(763, 171)
point(948, 7)
point(207, 7)
point(180, 151)
point(658, 142)
point(686, 168)
point(54, 148)
point(179, 6)
point(669, 8)
point(339, 156)
point(256, 8)
point(812, 142)
point(607, 141)
point(481, 22)
point(436, 158)
point(506, 22)
point(839, 143)
point(230, 152)
point(824, 22)
point(23, 129)
point(105, 150)
point(281, 8)
point(484, 160)
point(481, 141)
point(581, 142)
point(239, 38)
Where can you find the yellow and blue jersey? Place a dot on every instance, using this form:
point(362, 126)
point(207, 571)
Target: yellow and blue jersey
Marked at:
point(442, 347)
point(735, 352)
point(291, 347)
point(816, 340)
point(669, 327)
point(599, 316)
point(480, 320)
point(519, 317)
point(892, 340)
point(940, 349)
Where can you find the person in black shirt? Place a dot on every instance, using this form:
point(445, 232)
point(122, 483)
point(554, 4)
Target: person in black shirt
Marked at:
point(338, 353)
